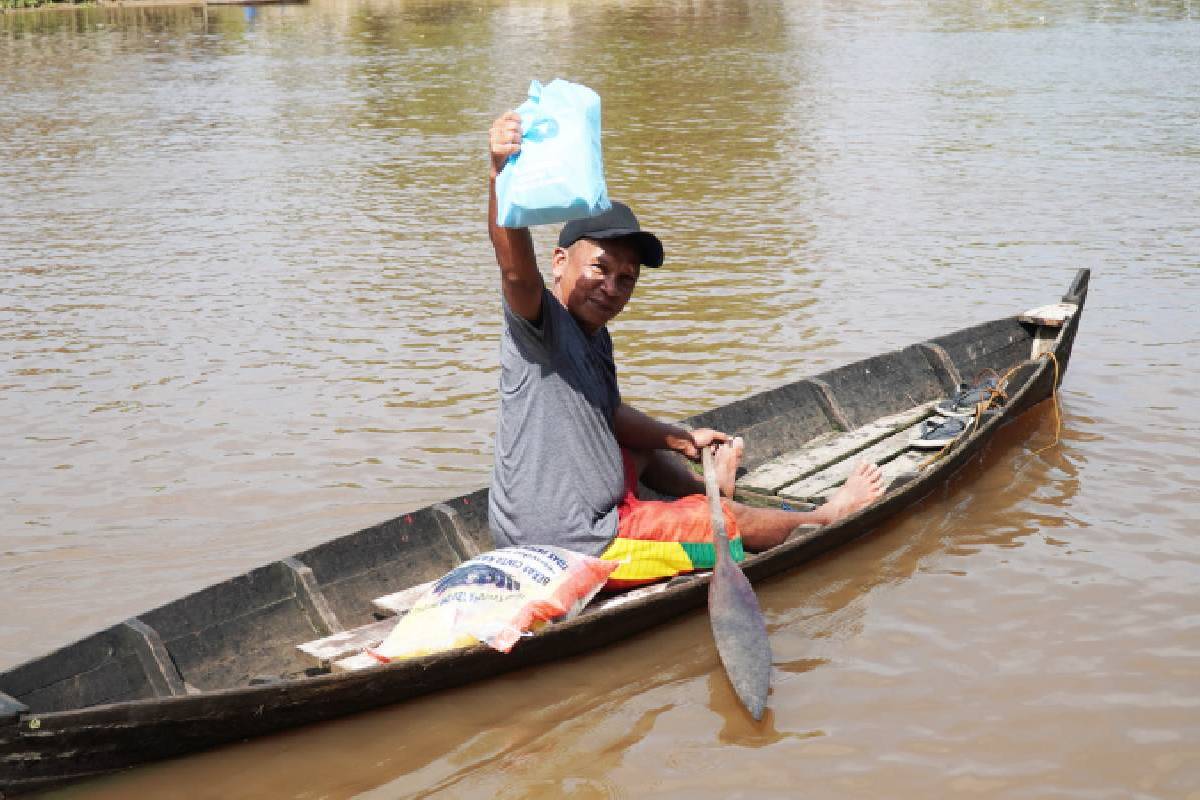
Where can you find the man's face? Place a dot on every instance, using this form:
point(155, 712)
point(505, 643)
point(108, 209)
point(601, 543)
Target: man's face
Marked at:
point(594, 279)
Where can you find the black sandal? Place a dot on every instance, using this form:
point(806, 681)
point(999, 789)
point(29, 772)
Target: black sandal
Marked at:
point(966, 401)
point(937, 433)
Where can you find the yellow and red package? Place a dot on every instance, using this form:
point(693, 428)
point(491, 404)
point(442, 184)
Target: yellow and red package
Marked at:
point(495, 598)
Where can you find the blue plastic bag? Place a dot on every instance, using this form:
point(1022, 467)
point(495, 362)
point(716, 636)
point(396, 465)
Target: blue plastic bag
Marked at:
point(559, 173)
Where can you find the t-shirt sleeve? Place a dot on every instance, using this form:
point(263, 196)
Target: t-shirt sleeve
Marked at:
point(537, 334)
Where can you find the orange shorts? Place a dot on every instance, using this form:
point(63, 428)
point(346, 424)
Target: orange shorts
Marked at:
point(659, 539)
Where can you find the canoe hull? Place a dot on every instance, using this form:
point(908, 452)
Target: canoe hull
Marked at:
point(44, 742)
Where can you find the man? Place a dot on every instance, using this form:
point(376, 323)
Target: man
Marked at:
point(569, 451)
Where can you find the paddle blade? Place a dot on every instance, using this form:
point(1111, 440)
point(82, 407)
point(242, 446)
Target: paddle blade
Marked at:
point(740, 633)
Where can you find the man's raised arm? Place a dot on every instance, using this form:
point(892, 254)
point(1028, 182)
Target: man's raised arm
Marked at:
point(519, 276)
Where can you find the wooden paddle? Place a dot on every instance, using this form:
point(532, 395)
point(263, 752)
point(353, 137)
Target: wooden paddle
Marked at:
point(737, 621)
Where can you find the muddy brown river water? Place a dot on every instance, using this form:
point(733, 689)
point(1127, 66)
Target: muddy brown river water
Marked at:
point(247, 303)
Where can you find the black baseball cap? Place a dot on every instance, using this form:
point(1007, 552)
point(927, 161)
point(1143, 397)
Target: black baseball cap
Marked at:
point(618, 222)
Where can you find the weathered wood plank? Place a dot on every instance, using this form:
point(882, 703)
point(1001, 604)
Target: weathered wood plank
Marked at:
point(452, 528)
point(161, 672)
point(785, 469)
point(941, 362)
point(349, 642)
point(904, 467)
point(1052, 316)
point(818, 484)
point(828, 449)
point(1044, 341)
point(600, 603)
point(804, 532)
point(749, 497)
point(355, 663)
point(402, 601)
point(830, 405)
point(310, 596)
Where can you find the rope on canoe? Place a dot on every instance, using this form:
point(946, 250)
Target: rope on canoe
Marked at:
point(997, 393)
point(1057, 401)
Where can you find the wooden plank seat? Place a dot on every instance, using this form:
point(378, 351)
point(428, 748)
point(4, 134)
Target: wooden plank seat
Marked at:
point(339, 645)
point(904, 467)
point(884, 453)
point(832, 450)
point(837, 455)
point(326, 650)
point(355, 662)
point(399, 603)
point(1051, 316)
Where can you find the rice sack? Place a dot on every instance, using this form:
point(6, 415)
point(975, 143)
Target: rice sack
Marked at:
point(494, 598)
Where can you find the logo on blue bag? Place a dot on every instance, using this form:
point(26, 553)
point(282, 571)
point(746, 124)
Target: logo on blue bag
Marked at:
point(477, 575)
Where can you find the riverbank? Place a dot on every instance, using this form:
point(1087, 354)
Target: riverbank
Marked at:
point(17, 6)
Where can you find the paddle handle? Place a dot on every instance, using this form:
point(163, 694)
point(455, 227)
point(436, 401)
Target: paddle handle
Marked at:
point(708, 461)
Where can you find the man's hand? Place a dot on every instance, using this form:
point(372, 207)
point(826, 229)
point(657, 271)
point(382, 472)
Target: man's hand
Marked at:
point(504, 139)
point(690, 443)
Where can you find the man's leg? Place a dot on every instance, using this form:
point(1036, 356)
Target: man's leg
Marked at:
point(761, 528)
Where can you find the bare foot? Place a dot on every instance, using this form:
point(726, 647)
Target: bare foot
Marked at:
point(864, 486)
point(726, 460)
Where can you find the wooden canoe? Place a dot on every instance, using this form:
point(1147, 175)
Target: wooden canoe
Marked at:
point(222, 664)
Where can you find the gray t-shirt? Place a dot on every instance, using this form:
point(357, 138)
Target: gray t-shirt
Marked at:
point(558, 475)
